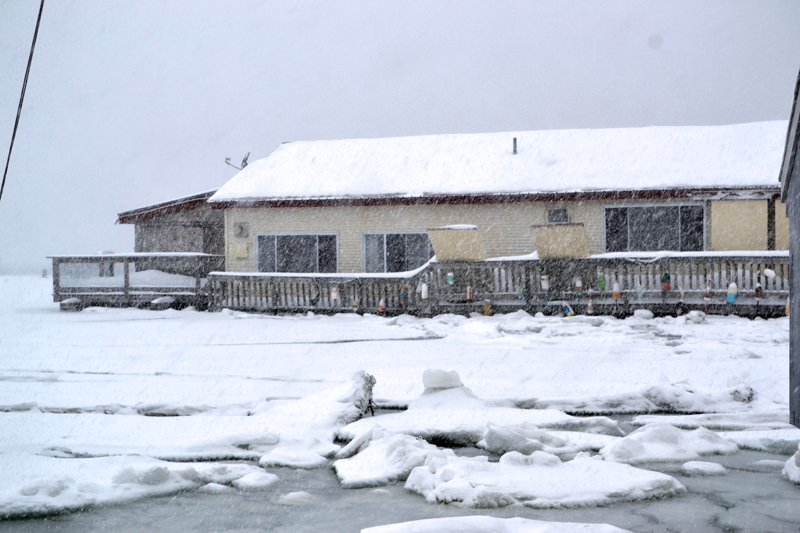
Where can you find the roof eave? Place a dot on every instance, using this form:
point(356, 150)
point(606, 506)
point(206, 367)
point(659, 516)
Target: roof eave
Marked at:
point(765, 192)
point(164, 208)
point(792, 139)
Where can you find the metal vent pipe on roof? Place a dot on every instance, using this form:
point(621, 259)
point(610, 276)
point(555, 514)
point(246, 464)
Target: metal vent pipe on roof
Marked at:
point(515, 145)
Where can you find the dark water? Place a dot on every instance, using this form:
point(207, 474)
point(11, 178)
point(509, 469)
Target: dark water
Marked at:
point(750, 498)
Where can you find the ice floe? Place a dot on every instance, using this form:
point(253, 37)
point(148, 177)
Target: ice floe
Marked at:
point(666, 443)
point(36, 485)
point(256, 481)
point(539, 480)
point(456, 416)
point(384, 457)
point(489, 524)
point(702, 468)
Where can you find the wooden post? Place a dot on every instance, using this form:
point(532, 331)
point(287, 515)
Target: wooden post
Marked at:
point(56, 279)
point(127, 281)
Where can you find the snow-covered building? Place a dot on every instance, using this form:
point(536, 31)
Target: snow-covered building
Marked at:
point(186, 224)
point(364, 205)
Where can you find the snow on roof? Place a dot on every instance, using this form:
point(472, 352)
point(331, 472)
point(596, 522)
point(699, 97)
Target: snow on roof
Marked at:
point(739, 155)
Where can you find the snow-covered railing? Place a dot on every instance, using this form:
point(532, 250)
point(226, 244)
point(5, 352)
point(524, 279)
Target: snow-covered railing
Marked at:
point(275, 292)
point(133, 279)
point(657, 280)
point(614, 283)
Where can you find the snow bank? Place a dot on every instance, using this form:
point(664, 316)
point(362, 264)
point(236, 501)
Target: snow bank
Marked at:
point(383, 458)
point(539, 480)
point(35, 485)
point(489, 524)
point(455, 415)
point(663, 442)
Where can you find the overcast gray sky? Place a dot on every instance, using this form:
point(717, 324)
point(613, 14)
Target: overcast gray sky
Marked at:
point(134, 102)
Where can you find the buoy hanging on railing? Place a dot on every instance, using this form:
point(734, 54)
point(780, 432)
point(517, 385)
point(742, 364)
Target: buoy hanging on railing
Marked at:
point(680, 308)
point(615, 291)
point(469, 294)
point(665, 285)
point(590, 305)
point(601, 284)
point(707, 296)
point(487, 308)
point(565, 307)
point(545, 281)
point(334, 294)
point(402, 297)
point(578, 287)
point(521, 292)
point(733, 290)
point(639, 292)
point(382, 305)
point(423, 292)
point(355, 306)
point(759, 292)
point(451, 278)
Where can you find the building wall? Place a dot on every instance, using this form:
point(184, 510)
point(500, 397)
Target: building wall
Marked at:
point(192, 230)
point(739, 225)
point(505, 229)
point(781, 227)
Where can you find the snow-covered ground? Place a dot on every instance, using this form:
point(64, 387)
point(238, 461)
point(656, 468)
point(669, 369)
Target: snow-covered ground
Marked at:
point(114, 405)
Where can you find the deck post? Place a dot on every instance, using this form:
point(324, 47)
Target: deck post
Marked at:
point(56, 279)
point(127, 278)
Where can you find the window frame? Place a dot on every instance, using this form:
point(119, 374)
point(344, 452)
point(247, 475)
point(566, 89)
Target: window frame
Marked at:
point(384, 234)
point(566, 213)
point(678, 205)
point(293, 234)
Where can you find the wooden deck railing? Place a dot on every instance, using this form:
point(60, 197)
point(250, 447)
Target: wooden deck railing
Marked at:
point(133, 279)
point(533, 285)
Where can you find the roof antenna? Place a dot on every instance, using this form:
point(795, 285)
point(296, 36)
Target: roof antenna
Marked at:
point(244, 162)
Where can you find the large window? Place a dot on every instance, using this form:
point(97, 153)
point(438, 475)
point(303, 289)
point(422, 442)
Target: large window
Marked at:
point(655, 227)
point(395, 252)
point(296, 253)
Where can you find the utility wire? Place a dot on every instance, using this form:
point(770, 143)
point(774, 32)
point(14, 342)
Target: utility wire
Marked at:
point(21, 98)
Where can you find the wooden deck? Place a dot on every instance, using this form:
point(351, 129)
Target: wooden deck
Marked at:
point(133, 280)
point(530, 285)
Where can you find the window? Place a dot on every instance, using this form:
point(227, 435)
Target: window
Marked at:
point(655, 227)
point(296, 253)
point(395, 252)
point(557, 216)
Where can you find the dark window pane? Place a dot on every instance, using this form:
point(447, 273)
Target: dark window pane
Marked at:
point(617, 229)
point(417, 250)
point(395, 252)
point(327, 253)
point(373, 253)
point(266, 253)
point(557, 216)
point(692, 228)
point(297, 253)
point(653, 228)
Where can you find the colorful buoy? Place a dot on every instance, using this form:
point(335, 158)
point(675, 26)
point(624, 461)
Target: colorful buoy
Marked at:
point(733, 290)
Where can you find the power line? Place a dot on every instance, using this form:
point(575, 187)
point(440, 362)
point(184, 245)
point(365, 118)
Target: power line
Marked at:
point(21, 98)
